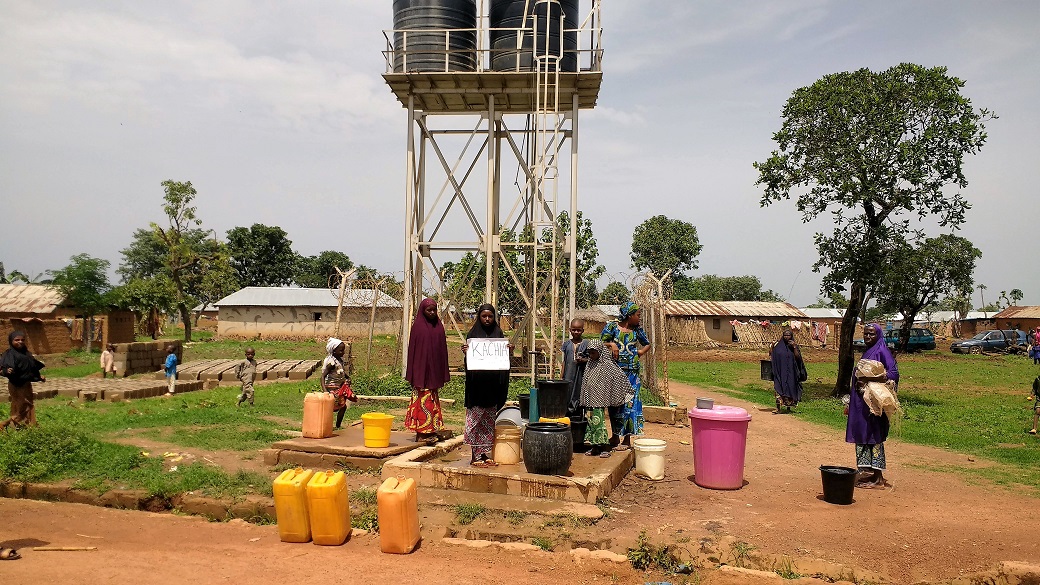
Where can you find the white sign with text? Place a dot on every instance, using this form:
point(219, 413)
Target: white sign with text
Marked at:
point(487, 354)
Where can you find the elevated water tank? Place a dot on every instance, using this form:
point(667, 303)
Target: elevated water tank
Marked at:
point(516, 14)
point(435, 50)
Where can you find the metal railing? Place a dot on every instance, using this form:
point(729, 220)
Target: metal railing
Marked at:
point(588, 54)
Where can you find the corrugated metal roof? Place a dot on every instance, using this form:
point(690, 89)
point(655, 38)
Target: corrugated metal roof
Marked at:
point(1016, 312)
point(732, 309)
point(29, 298)
point(822, 313)
point(269, 296)
point(609, 310)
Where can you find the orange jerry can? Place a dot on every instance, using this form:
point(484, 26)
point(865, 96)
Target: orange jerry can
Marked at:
point(290, 505)
point(398, 516)
point(329, 508)
point(317, 415)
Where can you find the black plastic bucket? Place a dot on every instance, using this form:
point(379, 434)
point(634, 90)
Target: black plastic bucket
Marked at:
point(548, 448)
point(838, 484)
point(525, 404)
point(553, 396)
point(766, 367)
point(578, 425)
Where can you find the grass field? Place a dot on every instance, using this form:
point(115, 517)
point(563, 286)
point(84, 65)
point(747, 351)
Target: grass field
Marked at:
point(970, 404)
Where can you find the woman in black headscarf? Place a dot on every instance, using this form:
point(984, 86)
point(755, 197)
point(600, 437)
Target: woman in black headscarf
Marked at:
point(788, 371)
point(21, 369)
point(485, 392)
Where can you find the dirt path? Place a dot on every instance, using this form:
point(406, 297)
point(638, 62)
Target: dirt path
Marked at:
point(928, 525)
point(163, 549)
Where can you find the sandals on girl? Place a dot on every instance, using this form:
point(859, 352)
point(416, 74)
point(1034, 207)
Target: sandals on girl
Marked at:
point(9, 554)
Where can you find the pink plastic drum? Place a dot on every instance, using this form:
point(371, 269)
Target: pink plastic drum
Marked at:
point(719, 438)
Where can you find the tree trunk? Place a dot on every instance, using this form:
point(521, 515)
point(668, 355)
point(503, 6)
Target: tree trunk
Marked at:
point(846, 357)
point(186, 319)
point(88, 331)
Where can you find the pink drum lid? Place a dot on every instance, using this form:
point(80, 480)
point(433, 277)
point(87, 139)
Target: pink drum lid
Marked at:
point(720, 412)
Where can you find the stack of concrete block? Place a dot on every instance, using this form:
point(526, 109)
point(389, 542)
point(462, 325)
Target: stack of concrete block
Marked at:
point(304, 370)
point(145, 356)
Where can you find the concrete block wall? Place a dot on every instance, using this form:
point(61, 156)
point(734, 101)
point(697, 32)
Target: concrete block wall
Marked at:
point(144, 356)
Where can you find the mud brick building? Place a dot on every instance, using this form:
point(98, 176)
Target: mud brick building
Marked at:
point(53, 327)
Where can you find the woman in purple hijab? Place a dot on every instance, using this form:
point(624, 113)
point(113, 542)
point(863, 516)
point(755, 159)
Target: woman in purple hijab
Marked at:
point(427, 372)
point(865, 429)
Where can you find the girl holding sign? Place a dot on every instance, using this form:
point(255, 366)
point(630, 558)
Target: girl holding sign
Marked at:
point(485, 392)
point(427, 372)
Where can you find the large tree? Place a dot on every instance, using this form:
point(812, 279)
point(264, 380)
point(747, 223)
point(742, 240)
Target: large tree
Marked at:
point(872, 150)
point(148, 298)
point(615, 293)
point(84, 284)
point(710, 287)
point(320, 271)
point(182, 260)
point(916, 276)
point(588, 267)
point(262, 255)
point(660, 244)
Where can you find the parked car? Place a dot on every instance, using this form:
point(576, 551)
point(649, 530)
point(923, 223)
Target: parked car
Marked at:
point(992, 340)
point(920, 338)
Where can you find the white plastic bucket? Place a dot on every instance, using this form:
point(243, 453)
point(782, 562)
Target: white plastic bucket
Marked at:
point(649, 458)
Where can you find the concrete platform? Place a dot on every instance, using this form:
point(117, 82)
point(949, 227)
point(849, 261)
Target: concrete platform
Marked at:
point(445, 465)
point(345, 447)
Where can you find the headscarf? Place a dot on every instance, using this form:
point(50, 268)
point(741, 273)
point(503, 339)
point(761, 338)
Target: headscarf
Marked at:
point(494, 331)
point(331, 345)
point(879, 352)
point(604, 383)
point(26, 367)
point(627, 310)
point(427, 351)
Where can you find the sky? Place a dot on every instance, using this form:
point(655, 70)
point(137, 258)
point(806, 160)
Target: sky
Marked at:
point(278, 114)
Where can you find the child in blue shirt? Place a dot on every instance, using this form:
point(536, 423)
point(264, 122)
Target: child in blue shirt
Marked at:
point(171, 369)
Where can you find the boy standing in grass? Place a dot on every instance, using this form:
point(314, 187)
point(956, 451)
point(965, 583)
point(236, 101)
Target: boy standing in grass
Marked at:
point(171, 369)
point(108, 361)
point(245, 371)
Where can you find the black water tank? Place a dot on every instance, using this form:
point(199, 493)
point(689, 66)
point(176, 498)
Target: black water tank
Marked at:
point(510, 14)
point(428, 51)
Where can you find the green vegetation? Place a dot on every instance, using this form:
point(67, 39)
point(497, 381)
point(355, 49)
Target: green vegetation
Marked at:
point(516, 517)
point(55, 453)
point(542, 543)
point(970, 404)
point(367, 517)
point(467, 513)
point(648, 556)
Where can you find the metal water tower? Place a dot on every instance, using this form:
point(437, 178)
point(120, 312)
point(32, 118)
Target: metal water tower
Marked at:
point(488, 84)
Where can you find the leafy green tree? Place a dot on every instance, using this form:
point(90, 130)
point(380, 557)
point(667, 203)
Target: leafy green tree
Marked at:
point(872, 150)
point(182, 259)
point(660, 244)
point(588, 267)
point(320, 271)
point(710, 287)
point(216, 281)
point(84, 284)
point(615, 293)
point(1016, 295)
point(19, 276)
point(262, 255)
point(915, 277)
point(149, 298)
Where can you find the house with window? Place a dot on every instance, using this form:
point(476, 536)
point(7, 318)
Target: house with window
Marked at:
point(260, 312)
